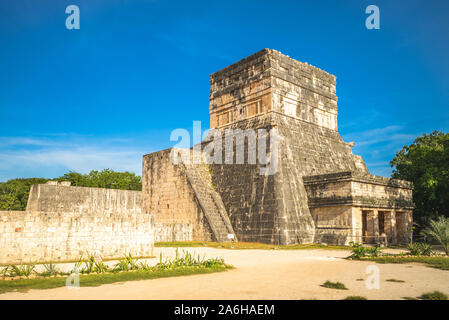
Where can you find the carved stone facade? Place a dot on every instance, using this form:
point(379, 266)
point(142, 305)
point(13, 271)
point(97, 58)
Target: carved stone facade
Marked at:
point(320, 192)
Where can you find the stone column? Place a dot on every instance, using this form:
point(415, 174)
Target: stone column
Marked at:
point(372, 224)
point(390, 226)
point(376, 226)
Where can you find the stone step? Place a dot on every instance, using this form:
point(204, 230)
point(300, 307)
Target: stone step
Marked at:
point(210, 201)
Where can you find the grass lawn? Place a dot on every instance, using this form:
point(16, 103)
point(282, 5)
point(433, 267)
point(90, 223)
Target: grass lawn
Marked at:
point(434, 262)
point(248, 245)
point(94, 280)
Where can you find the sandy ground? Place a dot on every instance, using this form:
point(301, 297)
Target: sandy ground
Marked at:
point(266, 274)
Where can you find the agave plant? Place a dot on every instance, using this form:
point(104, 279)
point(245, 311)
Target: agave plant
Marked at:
point(5, 271)
point(89, 265)
point(77, 266)
point(132, 262)
point(146, 267)
point(439, 230)
point(101, 267)
point(122, 265)
point(50, 269)
point(22, 270)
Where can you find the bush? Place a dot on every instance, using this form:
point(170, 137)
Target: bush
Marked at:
point(359, 251)
point(435, 295)
point(439, 230)
point(420, 249)
point(355, 298)
point(334, 285)
point(21, 270)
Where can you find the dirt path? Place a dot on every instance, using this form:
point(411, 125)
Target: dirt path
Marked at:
point(266, 274)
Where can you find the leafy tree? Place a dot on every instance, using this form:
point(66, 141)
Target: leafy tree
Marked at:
point(104, 179)
point(14, 193)
point(426, 163)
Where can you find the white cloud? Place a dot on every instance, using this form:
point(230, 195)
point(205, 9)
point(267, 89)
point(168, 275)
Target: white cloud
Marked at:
point(378, 146)
point(53, 156)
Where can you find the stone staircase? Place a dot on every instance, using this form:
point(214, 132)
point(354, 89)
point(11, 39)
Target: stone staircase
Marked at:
point(210, 201)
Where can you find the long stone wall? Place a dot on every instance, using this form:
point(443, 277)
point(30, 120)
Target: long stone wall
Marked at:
point(64, 223)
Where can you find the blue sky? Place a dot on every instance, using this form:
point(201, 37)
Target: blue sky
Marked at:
point(104, 95)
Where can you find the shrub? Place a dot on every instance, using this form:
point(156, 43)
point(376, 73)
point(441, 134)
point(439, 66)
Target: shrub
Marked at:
point(89, 265)
point(355, 298)
point(394, 280)
point(435, 295)
point(100, 267)
point(4, 271)
point(439, 230)
point(359, 251)
point(122, 265)
point(22, 270)
point(373, 251)
point(50, 269)
point(420, 249)
point(334, 285)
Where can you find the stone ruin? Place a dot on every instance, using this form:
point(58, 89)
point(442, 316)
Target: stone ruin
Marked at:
point(66, 223)
point(320, 193)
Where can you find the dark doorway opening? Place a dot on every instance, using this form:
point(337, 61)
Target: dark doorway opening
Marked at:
point(381, 218)
point(364, 226)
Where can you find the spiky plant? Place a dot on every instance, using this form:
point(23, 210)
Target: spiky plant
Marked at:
point(89, 265)
point(5, 271)
point(145, 267)
point(22, 270)
point(122, 265)
point(439, 230)
point(100, 267)
point(132, 262)
point(50, 269)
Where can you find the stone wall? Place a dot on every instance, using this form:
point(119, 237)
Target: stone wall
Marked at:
point(61, 198)
point(168, 195)
point(64, 223)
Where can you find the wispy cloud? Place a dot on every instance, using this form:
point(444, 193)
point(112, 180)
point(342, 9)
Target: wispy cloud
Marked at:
point(378, 146)
point(55, 155)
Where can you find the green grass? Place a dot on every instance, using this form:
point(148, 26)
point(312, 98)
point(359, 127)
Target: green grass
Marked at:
point(334, 285)
point(72, 260)
point(409, 298)
point(435, 295)
point(355, 298)
point(94, 280)
point(247, 245)
point(394, 280)
point(434, 262)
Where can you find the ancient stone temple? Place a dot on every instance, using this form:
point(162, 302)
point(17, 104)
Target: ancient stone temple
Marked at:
point(319, 192)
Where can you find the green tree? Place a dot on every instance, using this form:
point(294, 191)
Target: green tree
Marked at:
point(425, 162)
point(104, 179)
point(14, 193)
